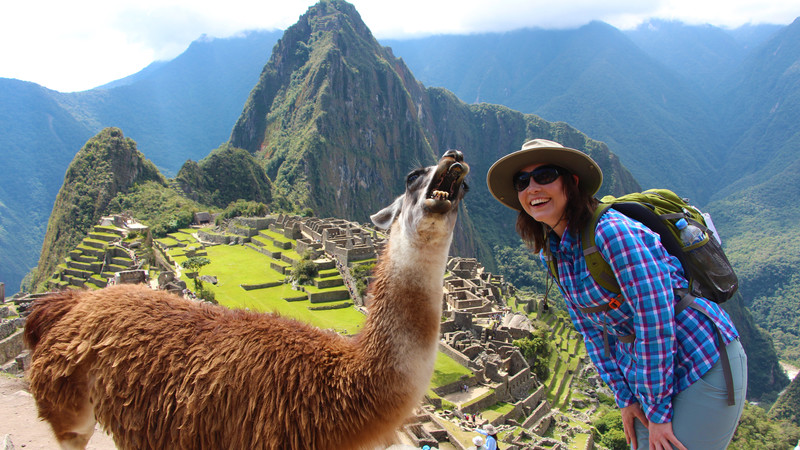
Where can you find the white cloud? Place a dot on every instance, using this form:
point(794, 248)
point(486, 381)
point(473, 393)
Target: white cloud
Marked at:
point(81, 44)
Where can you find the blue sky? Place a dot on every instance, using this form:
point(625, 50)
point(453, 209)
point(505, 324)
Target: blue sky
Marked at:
point(77, 45)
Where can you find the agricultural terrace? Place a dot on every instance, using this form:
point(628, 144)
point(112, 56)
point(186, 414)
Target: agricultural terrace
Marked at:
point(236, 265)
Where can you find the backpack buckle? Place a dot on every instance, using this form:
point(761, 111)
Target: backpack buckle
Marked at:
point(616, 302)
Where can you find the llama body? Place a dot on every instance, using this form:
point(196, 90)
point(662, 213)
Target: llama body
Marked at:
point(158, 371)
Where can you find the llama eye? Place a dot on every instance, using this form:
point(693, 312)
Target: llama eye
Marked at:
point(413, 177)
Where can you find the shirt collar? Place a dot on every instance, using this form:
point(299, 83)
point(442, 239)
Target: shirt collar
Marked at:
point(565, 243)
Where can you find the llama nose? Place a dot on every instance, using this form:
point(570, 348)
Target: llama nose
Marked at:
point(455, 154)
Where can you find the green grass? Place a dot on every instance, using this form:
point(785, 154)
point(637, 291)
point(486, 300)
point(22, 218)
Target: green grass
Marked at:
point(292, 254)
point(315, 290)
point(579, 441)
point(168, 242)
point(502, 408)
point(109, 235)
point(234, 265)
point(447, 370)
point(497, 410)
point(181, 237)
point(328, 273)
point(268, 244)
point(107, 229)
point(277, 237)
point(102, 244)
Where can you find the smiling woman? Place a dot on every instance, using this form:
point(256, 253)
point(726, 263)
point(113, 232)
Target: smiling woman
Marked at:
point(650, 354)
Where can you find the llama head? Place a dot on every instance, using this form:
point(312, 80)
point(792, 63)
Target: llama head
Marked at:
point(429, 206)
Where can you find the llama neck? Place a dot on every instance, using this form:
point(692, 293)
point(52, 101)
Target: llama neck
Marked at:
point(403, 324)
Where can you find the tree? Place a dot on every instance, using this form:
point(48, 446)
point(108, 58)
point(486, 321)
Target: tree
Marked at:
point(305, 270)
point(194, 264)
point(610, 430)
point(537, 351)
point(757, 431)
point(361, 273)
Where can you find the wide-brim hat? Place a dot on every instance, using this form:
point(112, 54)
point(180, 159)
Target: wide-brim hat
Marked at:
point(489, 428)
point(541, 151)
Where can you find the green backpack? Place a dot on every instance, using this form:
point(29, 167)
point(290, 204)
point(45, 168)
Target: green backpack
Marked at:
point(705, 265)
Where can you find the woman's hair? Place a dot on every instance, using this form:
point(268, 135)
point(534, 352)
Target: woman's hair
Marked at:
point(578, 212)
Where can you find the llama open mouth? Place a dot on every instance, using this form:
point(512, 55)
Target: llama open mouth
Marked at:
point(448, 185)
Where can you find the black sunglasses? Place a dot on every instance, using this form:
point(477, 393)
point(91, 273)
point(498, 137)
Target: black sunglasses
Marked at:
point(541, 175)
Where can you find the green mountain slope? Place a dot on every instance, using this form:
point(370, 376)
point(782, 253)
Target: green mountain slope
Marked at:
point(704, 54)
point(593, 78)
point(176, 110)
point(107, 165)
point(788, 406)
point(226, 175)
point(338, 121)
point(755, 210)
point(38, 139)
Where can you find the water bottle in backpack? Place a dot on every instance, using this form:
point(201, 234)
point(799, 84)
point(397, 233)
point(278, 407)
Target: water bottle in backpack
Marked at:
point(711, 272)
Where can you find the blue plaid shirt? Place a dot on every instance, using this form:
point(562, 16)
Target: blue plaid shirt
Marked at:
point(669, 353)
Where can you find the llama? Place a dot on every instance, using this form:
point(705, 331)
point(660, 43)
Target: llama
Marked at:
point(157, 371)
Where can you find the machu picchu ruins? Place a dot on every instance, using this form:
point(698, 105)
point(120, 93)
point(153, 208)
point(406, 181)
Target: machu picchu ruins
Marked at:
point(477, 331)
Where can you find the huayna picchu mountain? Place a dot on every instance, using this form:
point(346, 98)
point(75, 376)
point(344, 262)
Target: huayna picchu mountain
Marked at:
point(338, 120)
point(108, 164)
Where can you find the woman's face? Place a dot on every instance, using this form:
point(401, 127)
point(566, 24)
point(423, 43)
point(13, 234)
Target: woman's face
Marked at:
point(545, 202)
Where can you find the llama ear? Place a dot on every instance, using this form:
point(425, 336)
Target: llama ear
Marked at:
point(385, 217)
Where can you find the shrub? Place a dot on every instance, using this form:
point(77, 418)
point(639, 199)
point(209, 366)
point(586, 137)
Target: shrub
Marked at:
point(242, 208)
point(615, 440)
point(207, 295)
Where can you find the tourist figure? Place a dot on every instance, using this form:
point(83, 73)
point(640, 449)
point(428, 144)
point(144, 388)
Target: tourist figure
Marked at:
point(477, 441)
point(490, 432)
point(654, 359)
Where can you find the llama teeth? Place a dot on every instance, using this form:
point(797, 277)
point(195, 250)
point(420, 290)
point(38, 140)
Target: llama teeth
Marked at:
point(441, 195)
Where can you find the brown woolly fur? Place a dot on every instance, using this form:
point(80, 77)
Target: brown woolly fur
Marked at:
point(161, 372)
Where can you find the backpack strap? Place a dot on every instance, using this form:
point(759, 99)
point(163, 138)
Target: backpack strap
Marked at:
point(597, 266)
point(600, 269)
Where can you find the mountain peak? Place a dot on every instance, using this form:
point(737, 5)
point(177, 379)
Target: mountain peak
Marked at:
point(108, 164)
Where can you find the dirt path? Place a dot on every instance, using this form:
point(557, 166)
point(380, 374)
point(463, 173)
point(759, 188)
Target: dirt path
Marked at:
point(19, 420)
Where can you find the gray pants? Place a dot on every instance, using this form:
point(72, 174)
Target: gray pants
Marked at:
point(701, 416)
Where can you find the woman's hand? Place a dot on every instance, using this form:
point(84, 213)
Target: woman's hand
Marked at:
point(662, 437)
point(629, 414)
